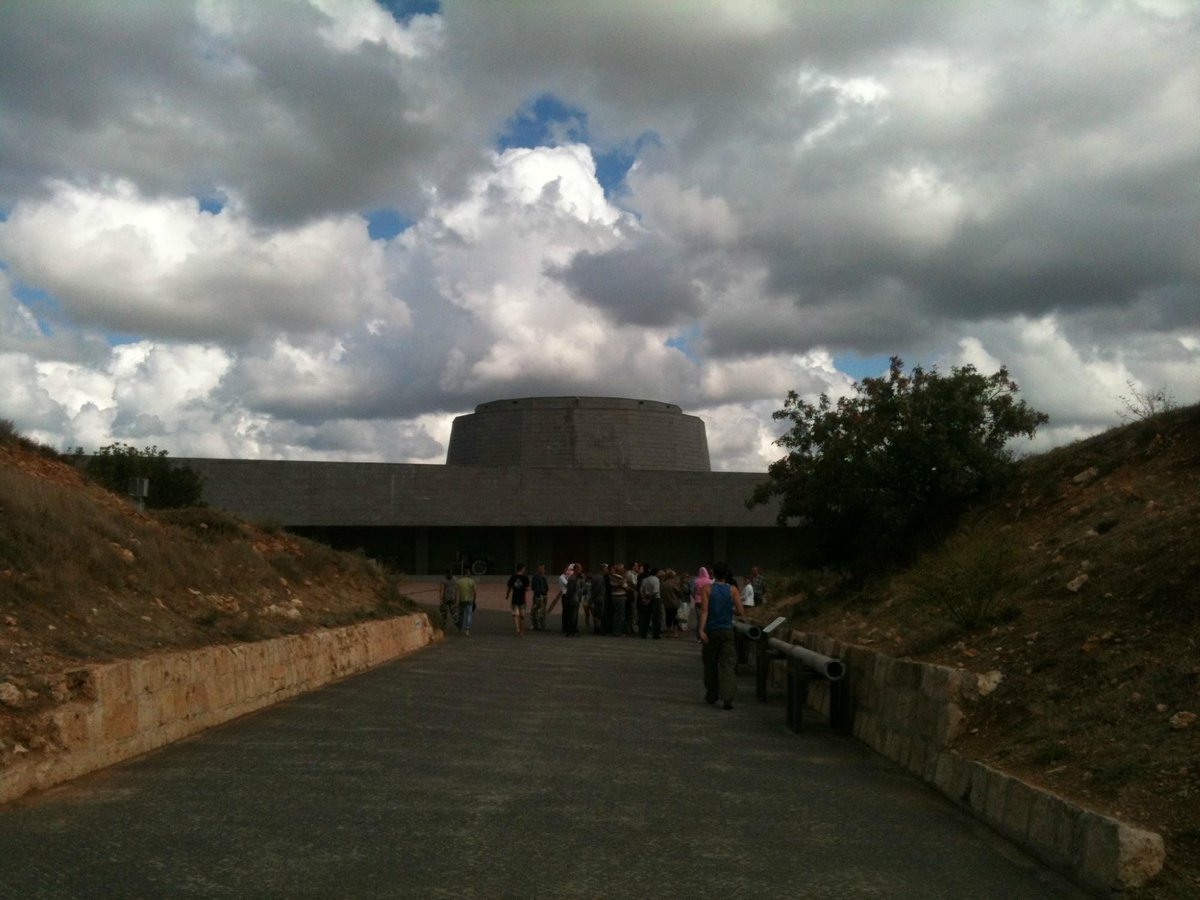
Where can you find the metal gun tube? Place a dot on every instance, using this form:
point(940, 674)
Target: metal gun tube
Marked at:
point(748, 630)
point(833, 669)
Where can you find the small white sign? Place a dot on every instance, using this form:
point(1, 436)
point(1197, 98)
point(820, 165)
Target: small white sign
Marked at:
point(774, 625)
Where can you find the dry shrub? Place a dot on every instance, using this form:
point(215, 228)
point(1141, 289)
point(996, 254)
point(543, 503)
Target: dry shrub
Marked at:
point(205, 522)
point(810, 590)
point(967, 580)
point(55, 541)
point(11, 437)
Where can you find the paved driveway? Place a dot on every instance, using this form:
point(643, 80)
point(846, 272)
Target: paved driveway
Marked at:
point(497, 766)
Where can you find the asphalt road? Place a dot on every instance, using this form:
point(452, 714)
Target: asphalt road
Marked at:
point(498, 766)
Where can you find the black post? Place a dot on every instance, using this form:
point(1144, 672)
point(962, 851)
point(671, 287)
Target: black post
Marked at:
point(797, 694)
point(789, 701)
point(742, 643)
point(839, 706)
point(762, 668)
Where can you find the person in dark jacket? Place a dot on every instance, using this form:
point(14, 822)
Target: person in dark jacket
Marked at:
point(601, 602)
point(619, 591)
point(570, 601)
point(650, 603)
point(518, 586)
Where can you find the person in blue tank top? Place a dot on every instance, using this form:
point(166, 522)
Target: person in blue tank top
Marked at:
point(718, 603)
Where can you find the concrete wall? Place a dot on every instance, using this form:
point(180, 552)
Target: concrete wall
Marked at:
point(683, 549)
point(367, 494)
point(912, 712)
point(142, 704)
point(580, 432)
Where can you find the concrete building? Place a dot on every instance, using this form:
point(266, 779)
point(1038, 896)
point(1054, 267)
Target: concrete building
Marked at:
point(539, 480)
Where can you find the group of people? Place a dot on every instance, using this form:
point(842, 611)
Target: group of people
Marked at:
point(623, 601)
point(617, 600)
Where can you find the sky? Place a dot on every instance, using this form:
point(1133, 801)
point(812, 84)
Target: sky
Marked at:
point(321, 229)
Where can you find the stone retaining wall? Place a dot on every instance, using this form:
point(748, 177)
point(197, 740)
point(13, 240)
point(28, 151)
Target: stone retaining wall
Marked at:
point(141, 704)
point(912, 712)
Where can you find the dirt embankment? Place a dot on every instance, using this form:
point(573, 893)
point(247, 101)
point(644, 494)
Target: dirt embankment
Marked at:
point(87, 578)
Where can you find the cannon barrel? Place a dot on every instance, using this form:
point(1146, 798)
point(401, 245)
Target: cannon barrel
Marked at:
point(748, 630)
point(833, 669)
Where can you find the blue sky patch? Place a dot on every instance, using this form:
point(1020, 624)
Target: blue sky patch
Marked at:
point(47, 309)
point(685, 343)
point(403, 10)
point(860, 367)
point(548, 122)
point(385, 224)
point(116, 338)
point(30, 296)
point(613, 165)
point(37, 301)
point(212, 205)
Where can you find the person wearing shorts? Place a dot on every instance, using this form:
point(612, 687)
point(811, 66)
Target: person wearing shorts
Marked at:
point(518, 586)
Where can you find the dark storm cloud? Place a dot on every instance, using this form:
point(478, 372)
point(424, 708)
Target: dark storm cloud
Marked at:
point(641, 284)
point(881, 317)
point(264, 107)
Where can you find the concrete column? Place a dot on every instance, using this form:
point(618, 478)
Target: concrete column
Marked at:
point(421, 549)
point(521, 545)
point(599, 548)
point(618, 544)
point(720, 544)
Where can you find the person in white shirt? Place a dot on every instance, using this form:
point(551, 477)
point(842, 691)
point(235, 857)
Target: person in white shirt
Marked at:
point(748, 593)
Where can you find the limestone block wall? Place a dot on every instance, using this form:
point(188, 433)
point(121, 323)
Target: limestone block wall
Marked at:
point(139, 705)
point(912, 712)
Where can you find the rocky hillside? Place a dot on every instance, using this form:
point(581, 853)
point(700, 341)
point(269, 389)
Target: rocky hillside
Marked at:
point(1077, 593)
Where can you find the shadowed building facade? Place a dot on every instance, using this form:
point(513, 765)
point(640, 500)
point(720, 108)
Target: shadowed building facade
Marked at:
point(539, 480)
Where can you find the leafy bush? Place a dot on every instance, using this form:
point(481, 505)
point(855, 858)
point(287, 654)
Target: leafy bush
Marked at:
point(872, 475)
point(171, 486)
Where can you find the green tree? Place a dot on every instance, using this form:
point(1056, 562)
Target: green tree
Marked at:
point(171, 486)
point(875, 473)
